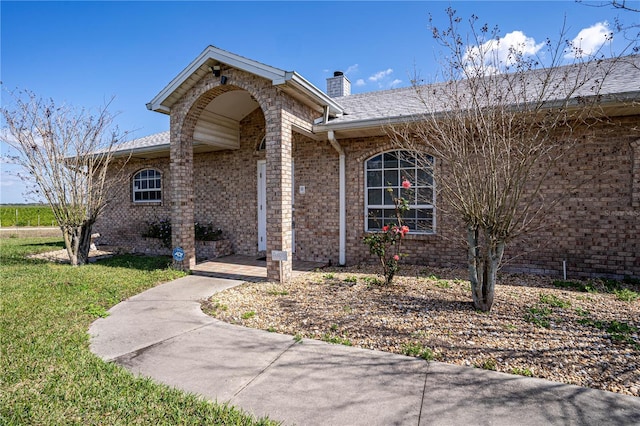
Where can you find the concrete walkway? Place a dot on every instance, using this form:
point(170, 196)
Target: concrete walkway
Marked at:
point(162, 333)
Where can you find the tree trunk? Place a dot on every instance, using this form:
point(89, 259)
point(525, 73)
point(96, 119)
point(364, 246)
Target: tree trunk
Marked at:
point(484, 258)
point(77, 240)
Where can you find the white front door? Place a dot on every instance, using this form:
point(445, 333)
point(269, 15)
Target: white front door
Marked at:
point(262, 208)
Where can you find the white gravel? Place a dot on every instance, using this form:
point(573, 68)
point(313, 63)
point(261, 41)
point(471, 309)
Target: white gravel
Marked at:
point(431, 308)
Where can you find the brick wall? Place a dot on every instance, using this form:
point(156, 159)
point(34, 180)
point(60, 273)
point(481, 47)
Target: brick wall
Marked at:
point(123, 221)
point(595, 227)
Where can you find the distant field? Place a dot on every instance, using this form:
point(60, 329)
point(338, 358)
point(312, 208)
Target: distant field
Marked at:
point(26, 215)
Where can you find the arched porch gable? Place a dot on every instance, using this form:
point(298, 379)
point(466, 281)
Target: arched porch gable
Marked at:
point(282, 114)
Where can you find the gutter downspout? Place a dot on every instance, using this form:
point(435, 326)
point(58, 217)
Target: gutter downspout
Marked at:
point(343, 198)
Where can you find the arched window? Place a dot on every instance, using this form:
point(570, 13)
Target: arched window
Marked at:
point(147, 186)
point(263, 144)
point(384, 174)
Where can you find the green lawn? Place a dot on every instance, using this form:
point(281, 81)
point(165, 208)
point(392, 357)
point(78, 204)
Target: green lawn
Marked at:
point(48, 374)
point(26, 215)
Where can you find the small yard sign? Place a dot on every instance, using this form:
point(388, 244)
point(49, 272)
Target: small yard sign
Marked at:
point(178, 254)
point(278, 255)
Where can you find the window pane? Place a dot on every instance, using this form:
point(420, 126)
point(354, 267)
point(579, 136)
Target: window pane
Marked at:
point(408, 174)
point(425, 196)
point(374, 179)
point(158, 183)
point(390, 160)
point(409, 195)
point(389, 195)
point(407, 159)
point(390, 214)
point(375, 162)
point(373, 224)
point(411, 223)
point(425, 177)
point(424, 226)
point(424, 214)
point(391, 178)
point(137, 196)
point(143, 174)
point(143, 184)
point(375, 196)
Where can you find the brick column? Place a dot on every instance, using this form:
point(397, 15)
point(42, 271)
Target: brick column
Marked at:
point(182, 204)
point(635, 183)
point(279, 179)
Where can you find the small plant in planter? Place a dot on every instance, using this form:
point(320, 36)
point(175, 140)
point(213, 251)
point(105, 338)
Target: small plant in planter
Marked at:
point(385, 245)
point(207, 232)
point(161, 229)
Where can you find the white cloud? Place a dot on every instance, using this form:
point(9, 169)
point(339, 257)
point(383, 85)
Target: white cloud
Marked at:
point(395, 83)
point(380, 75)
point(360, 82)
point(589, 40)
point(352, 69)
point(495, 54)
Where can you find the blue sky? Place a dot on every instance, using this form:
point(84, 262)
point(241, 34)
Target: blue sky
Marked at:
point(83, 53)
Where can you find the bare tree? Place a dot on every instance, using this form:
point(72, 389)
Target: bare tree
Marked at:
point(66, 153)
point(497, 124)
point(631, 6)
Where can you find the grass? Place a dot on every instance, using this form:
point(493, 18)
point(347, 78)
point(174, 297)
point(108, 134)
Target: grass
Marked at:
point(417, 350)
point(626, 295)
point(553, 300)
point(48, 374)
point(26, 215)
point(488, 364)
point(539, 315)
point(372, 281)
point(522, 372)
point(336, 340)
point(248, 315)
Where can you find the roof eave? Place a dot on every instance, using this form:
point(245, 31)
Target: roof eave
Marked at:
point(278, 77)
point(131, 152)
point(301, 84)
point(212, 53)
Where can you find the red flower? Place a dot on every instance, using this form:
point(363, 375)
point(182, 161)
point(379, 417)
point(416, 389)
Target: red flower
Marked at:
point(405, 230)
point(406, 184)
point(396, 257)
point(385, 228)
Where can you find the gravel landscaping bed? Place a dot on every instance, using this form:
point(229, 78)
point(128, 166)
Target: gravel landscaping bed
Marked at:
point(536, 328)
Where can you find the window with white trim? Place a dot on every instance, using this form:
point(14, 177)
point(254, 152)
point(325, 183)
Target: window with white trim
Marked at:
point(147, 186)
point(384, 174)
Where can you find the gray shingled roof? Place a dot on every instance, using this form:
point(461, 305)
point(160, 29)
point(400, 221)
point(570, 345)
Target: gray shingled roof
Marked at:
point(405, 102)
point(151, 143)
point(378, 107)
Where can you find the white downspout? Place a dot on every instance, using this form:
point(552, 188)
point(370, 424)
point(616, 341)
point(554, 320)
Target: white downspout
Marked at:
point(342, 254)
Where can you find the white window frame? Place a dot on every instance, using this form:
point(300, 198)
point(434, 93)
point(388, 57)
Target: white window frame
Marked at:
point(150, 181)
point(416, 188)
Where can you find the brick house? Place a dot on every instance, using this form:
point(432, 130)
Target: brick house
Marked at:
point(278, 164)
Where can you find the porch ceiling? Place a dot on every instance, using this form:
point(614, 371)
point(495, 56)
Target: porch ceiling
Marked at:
point(218, 126)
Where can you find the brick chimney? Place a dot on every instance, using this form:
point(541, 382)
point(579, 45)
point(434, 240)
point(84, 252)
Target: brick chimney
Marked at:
point(338, 85)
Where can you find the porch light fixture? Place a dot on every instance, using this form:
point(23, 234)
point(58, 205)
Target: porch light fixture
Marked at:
point(223, 79)
point(216, 70)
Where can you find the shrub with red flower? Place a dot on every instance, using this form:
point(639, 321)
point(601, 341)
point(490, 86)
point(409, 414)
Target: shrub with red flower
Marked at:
point(386, 244)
